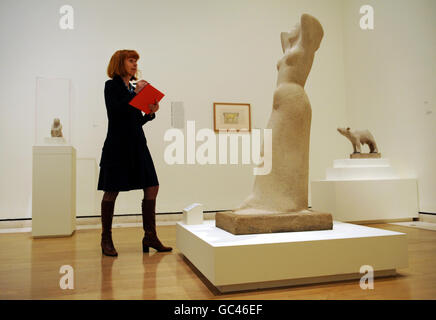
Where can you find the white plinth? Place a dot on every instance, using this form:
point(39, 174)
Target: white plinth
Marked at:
point(53, 191)
point(366, 200)
point(365, 190)
point(244, 262)
point(360, 169)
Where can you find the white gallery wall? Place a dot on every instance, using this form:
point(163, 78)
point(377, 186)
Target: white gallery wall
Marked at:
point(390, 75)
point(200, 52)
point(195, 51)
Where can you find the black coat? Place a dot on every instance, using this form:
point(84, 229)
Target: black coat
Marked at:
point(126, 163)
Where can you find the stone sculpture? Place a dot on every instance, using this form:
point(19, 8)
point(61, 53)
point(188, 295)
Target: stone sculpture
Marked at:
point(359, 137)
point(284, 191)
point(56, 129)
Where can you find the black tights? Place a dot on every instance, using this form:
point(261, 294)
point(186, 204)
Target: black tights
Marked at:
point(150, 193)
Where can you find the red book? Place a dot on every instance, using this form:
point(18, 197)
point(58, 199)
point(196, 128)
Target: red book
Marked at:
point(148, 95)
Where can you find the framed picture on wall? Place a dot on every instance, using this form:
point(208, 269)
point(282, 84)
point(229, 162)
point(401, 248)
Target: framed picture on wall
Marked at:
point(231, 116)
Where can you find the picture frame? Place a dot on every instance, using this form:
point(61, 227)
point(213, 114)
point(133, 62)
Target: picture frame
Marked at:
point(231, 116)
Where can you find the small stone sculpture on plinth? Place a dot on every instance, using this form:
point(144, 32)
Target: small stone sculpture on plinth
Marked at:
point(279, 200)
point(361, 137)
point(56, 133)
point(56, 128)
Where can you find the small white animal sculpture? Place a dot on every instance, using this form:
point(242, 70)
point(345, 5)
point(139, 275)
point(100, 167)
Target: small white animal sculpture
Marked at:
point(359, 137)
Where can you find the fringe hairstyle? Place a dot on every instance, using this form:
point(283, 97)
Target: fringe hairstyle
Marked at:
point(116, 64)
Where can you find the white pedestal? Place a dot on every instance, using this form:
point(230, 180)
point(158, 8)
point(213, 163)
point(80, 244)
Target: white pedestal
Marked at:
point(358, 190)
point(366, 200)
point(53, 191)
point(245, 262)
point(360, 169)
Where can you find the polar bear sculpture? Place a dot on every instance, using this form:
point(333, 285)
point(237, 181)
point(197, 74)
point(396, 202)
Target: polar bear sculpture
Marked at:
point(359, 137)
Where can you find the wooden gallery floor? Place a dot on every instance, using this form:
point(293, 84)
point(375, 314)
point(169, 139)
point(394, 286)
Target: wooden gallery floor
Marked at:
point(30, 269)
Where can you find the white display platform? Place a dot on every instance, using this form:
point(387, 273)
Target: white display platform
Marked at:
point(360, 169)
point(366, 200)
point(357, 190)
point(246, 262)
point(53, 191)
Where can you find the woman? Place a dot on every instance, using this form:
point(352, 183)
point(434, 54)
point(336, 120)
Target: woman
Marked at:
point(126, 163)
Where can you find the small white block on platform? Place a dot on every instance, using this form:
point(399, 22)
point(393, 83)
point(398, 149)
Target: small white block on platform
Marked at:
point(244, 262)
point(193, 214)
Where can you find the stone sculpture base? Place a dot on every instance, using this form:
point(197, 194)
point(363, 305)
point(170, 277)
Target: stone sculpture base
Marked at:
point(365, 155)
point(271, 223)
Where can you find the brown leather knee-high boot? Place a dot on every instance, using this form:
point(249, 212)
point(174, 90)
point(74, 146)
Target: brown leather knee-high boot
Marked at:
point(107, 213)
point(149, 224)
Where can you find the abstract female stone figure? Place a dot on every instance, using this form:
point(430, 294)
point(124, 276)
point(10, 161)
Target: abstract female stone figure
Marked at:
point(285, 189)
